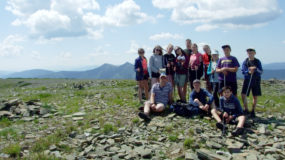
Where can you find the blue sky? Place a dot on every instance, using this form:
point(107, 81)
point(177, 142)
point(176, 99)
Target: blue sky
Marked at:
point(74, 34)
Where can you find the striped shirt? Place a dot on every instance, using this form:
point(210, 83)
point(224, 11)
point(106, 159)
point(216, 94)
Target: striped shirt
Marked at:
point(161, 93)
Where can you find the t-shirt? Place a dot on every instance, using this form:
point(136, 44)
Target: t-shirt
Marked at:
point(195, 60)
point(206, 59)
point(155, 63)
point(228, 62)
point(169, 59)
point(144, 65)
point(161, 93)
point(202, 96)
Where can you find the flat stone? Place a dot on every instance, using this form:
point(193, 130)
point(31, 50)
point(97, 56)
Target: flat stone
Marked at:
point(234, 146)
point(213, 145)
point(28, 119)
point(52, 148)
point(262, 129)
point(47, 115)
point(208, 155)
point(191, 156)
point(146, 153)
point(177, 151)
point(5, 114)
point(79, 114)
point(251, 157)
point(270, 150)
point(77, 118)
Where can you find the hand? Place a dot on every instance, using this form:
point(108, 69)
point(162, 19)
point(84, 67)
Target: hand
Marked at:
point(251, 70)
point(138, 69)
point(225, 115)
point(213, 71)
point(152, 106)
point(197, 101)
point(168, 65)
point(196, 68)
point(229, 119)
point(207, 107)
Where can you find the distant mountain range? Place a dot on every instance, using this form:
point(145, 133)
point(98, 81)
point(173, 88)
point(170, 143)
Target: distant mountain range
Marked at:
point(106, 71)
point(124, 71)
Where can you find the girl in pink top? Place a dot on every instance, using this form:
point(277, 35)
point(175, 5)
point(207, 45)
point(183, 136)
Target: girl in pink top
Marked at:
point(195, 65)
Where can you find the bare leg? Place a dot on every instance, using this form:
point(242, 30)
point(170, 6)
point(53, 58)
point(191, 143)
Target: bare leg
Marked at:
point(140, 90)
point(185, 91)
point(147, 108)
point(241, 120)
point(216, 114)
point(159, 107)
point(254, 103)
point(145, 86)
point(244, 100)
point(180, 92)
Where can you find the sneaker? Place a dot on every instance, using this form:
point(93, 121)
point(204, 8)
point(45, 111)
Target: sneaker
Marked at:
point(238, 131)
point(144, 116)
point(252, 114)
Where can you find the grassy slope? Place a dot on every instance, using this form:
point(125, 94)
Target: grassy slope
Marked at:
point(60, 94)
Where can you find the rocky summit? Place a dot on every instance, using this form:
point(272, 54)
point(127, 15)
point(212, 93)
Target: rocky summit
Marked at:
point(97, 119)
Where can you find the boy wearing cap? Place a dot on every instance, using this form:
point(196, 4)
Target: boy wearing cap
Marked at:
point(161, 95)
point(198, 98)
point(213, 75)
point(252, 70)
point(229, 110)
point(227, 68)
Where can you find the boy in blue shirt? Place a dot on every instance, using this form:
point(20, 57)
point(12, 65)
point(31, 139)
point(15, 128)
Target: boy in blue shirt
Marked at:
point(230, 109)
point(198, 98)
point(252, 70)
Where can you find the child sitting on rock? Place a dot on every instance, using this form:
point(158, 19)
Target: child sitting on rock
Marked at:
point(229, 110)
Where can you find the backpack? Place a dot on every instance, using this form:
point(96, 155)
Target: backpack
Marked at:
point(184, 109)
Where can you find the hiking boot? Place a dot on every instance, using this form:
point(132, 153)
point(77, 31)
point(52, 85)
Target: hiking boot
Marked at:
point(238, 131)
point(246, 112)
point(144, 116)
point(220, 125)
point(252, 114)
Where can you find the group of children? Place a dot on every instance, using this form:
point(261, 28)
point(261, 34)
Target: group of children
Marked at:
point(220, 96)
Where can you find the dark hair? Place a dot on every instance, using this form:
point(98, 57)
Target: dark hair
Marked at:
point(177, 48)
point(158, 47)
point(188, 40)
point(140, 50)
point(227, 88)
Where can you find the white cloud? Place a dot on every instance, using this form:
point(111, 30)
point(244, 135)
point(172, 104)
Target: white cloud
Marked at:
point(125, 13)
point(44, 22)
point(221, 13)
point(283, 42)
point(9, 46)
point(74, 6)
point(163, 35)
point(205, 27)
point(73, 18)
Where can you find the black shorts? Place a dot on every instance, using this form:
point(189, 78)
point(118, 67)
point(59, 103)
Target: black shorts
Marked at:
point(233, 86)
point(254, 87)
point(155, 75)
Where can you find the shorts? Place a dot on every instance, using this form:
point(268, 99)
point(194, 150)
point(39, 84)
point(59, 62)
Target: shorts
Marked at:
point(180, 79)
point(155, 75)
point(254, 87)
point(144, 77)
point(233, 86)
point(164, 105)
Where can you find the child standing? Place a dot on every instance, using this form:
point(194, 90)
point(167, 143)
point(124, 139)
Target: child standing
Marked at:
point(252, 70)
point(227, 68)
point(230, 109)
point(213, 76)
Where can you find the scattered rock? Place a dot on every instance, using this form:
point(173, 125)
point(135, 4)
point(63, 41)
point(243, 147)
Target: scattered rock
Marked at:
point(79, 114)
point(208, 155)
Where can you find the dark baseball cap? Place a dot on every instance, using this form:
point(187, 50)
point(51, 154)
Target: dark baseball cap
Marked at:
point(250, 50)
point(226, 46)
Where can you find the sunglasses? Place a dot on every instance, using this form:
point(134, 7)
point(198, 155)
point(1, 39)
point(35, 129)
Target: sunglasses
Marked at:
point(141, 52)
point(158, 49)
